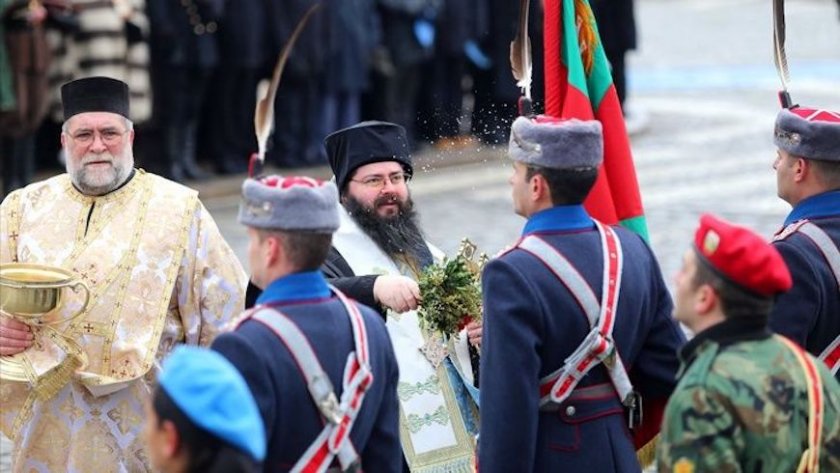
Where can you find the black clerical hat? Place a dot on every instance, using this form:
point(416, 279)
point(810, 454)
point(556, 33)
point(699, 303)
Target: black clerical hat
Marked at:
point(94, 94)
point(366, 143)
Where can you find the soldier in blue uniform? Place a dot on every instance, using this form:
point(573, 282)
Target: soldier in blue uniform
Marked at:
point(320, 366)
point(566, 365)
point(808, 177)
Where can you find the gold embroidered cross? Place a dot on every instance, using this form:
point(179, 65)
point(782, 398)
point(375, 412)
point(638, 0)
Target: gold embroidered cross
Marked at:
point(126, 370)
point(88, 327)
point(87, 273)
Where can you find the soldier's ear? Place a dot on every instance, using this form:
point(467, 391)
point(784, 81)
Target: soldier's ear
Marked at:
point(706, 300)
point(540, 191)
point(274, 250)
point(801, 169)
point(171, 439)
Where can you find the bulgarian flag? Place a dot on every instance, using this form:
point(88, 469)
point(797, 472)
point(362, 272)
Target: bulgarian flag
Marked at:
point(578, 84)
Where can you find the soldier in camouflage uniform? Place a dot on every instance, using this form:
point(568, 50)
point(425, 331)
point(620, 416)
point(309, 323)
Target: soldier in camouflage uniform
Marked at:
point(742, 402)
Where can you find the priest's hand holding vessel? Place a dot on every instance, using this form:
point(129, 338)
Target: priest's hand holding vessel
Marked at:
point(31, 296)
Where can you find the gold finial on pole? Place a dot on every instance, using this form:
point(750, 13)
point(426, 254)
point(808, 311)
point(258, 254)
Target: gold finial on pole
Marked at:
point(467, 251)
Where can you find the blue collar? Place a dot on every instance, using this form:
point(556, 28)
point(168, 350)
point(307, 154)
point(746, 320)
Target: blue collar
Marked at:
point(295, 287)
point(562, 217)
point(816, 206)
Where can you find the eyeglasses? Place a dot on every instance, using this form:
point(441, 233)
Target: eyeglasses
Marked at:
point(108, 136)
point(378, 182)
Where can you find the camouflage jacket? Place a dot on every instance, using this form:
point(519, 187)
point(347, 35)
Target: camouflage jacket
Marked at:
point(742, 405)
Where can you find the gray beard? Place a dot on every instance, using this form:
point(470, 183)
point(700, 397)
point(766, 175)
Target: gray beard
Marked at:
point(79, 177)
point(398, 236)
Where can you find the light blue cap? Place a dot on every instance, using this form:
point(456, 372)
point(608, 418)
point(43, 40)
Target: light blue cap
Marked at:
point(212, 393)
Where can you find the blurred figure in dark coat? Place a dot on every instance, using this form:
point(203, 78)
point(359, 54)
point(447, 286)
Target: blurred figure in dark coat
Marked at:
point(440, 105)
point(353, 33)
point(495, 89)
point(185, 48)
point(24, 92)
point(298, 108)
point(408, 36)
point(228, 129)
point(617, 27)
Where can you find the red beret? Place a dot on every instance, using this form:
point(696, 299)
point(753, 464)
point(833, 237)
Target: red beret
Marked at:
point(742, 256)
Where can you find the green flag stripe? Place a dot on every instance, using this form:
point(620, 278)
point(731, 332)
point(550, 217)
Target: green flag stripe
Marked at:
point(594, 86)
point(601, 78)
point(638, 225)
point(571, 49)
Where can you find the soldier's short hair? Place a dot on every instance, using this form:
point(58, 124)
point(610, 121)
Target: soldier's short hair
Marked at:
point(567, 186)
point(306, 251)
point(828, 172)
point(734, 301)
point(206, 451)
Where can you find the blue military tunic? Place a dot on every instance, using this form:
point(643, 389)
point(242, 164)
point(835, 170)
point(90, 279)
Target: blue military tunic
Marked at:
point(809, 314)
point(532, 324)
point(291, 418)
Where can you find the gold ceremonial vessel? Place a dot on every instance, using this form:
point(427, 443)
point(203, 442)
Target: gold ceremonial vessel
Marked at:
point(28, 293)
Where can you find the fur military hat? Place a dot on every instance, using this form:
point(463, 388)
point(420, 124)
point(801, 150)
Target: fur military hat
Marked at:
point(95, 94)
point(557, 144)
point(366, 143)
point(809, 133)
point(289, 203)
point(741, 257)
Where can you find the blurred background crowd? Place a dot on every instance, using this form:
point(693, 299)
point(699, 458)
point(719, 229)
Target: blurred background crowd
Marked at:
point(438, 67)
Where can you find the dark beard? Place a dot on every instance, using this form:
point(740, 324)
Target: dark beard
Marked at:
point(398, 236)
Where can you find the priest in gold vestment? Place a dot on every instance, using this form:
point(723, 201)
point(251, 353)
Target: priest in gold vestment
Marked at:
point(159, 274)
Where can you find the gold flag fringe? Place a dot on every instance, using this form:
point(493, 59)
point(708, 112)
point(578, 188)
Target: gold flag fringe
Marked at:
point(647, 454)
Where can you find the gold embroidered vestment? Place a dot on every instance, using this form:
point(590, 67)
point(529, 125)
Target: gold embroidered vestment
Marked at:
point(159, 274)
